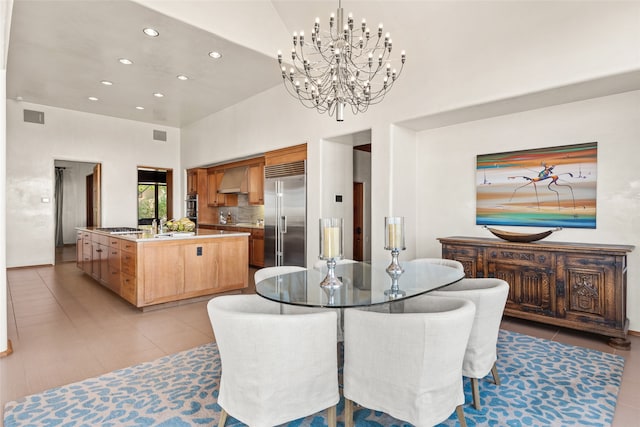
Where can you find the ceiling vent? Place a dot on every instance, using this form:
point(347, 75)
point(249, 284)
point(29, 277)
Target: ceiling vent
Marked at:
point(31, 116)
point(159, 135)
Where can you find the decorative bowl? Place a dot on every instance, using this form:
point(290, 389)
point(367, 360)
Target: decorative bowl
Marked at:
point(520, 237)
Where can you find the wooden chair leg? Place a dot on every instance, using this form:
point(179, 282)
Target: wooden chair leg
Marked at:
point(331, 416)
point(475, 392)
point(461, 418)
point(494, 372)
point(223, 418)
point(348, 413)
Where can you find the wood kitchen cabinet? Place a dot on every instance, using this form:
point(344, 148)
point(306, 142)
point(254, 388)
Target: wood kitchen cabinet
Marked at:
point(163, 271)
point(256, 248)
point(256, 242)
point(79, 249)
point(215, 199)
point(99, 257)
point(87, 253)
point(573, 285)
point(128, 269)
point(114, 277)
point(256, 184)
point(192, 181)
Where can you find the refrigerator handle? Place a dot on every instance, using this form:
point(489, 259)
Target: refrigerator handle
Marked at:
point(283, 218)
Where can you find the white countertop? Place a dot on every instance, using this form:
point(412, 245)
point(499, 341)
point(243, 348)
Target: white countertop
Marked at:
point(237, 225)
point(200, 233)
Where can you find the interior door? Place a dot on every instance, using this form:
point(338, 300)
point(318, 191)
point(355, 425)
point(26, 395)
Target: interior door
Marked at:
point(358, 221)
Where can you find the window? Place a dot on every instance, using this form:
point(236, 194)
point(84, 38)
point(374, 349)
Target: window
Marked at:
point(152, 195)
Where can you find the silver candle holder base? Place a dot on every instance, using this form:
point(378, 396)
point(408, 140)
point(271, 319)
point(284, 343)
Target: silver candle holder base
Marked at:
point(331, 281)
point(394, 268)
point(394, 271)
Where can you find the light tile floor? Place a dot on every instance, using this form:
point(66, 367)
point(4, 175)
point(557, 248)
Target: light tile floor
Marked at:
point(65, 327)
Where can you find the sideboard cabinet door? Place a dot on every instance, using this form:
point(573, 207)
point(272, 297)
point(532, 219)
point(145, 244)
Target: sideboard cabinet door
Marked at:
point(590, 290)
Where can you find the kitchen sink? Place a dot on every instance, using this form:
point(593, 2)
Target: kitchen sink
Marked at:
point(174, 234)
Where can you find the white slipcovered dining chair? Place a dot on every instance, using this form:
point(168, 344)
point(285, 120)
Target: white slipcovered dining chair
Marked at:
point(275, 368)
point(489, 296)
point(440, 261)
point(408, 365)
point(266, 272)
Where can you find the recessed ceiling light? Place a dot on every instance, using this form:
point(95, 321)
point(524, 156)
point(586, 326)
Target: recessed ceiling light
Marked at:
point(182, 77)
point(125, 61)
point(106, 83)
point(158, 95)
point(215, 55)
point(93, 98)
point(151, 32)
point(139, 108)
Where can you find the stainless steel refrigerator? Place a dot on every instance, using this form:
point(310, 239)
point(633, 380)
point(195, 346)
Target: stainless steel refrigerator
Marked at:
point(285, 217)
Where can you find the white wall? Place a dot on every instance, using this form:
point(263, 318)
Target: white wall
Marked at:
point(337, 180)
point(74, 200)
point(5, 20)
point(446, 200)
point(119, 145)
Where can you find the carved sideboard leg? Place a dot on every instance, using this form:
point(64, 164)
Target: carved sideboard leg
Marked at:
point(620, 343)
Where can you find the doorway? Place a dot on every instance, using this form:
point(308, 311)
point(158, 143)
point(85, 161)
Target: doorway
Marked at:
point(362, 202)
point(77, 204)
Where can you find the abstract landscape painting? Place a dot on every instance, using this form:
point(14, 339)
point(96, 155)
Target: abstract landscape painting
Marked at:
point(543, 187)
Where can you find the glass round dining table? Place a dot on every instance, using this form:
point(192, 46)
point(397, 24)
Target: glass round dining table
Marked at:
point(363, 284)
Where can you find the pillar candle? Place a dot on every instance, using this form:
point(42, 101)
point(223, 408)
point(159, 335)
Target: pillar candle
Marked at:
point(392, 236)
point(395, 235)
point(331, 247)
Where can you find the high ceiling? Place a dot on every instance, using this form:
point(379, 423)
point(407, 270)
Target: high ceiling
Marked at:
point(60, 51)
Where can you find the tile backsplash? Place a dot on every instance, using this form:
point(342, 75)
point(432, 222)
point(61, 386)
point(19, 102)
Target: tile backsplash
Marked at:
point(244, 212)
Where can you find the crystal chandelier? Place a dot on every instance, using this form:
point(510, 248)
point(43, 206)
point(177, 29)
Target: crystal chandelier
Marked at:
point(346, 65)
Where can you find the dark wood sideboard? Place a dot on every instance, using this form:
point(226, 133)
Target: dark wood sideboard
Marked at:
point(573, 285)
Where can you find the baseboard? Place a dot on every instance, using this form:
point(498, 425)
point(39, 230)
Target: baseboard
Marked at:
point(8, 351)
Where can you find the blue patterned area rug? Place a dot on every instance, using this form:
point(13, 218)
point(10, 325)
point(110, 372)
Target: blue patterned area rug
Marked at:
point(544, 383)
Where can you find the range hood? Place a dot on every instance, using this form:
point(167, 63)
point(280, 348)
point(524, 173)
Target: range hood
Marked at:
point(234, 180)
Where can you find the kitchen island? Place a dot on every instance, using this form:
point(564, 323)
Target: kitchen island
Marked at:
point(256, 238)
point(147, 269)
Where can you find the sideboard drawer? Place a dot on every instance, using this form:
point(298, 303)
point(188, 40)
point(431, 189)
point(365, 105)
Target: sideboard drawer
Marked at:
point(533, 257)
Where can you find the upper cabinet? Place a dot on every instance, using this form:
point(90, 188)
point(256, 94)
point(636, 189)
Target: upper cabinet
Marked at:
point(256, 184)
point(207, 184)
point(216, 199)
point(282, 156)
point(192, 181)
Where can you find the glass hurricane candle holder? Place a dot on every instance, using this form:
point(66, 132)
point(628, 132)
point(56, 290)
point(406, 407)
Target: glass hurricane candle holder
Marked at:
point(331, 248)
point(394, 242)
